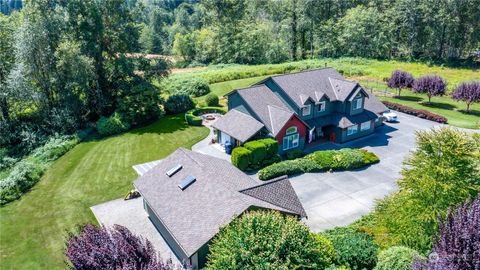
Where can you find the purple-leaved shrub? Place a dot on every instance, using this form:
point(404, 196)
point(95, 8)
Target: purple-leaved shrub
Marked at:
point(458, 244)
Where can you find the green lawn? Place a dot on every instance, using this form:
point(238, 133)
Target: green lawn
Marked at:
point(444, 106)
point(33, 229)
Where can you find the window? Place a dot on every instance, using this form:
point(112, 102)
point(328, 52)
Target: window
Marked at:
point(321, 106)
point(290, 141)
point(365, 126)
point(352, 130)
point(291, 138)
point(306, 110)
point(357, 103)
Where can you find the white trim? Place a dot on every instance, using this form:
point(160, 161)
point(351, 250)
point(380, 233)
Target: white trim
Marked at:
point(365, 125)
point(323, 105)
point(352, 130)
point(309, 107)
point(357, 103)
point(290, 141)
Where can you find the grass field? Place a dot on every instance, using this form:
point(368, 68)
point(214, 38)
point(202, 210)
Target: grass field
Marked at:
point(33, 229)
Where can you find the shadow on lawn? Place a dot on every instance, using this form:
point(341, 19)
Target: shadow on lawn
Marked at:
point(471, 112)
point(409, 98)
point(440, 105)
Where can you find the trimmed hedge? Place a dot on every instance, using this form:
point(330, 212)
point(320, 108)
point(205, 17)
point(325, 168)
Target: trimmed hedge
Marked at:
point(416, 112)
point(343, 159)
point(262, 153)
point(272, 146)
point(294, 154)
point(396, 258)
point(355, 249)
point(259, 151)
point(241, 157)
point(192, 117)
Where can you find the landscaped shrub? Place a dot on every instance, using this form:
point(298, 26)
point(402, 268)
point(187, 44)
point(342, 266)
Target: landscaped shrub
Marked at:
point(259, 151)
point(267, 240)
point(272, 146)
point(192, 116)
point(354, 249)
point(211, 100)
point(288, 167)
point(178, 104)
point(113, 124)
point(396, 258)
point(116, 248)
point(294, 154)
point(328, 254)
point(241, 157)
point(343, 159)
point(418, 113)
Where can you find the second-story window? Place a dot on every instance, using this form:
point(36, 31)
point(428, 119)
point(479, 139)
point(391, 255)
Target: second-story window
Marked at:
point(321, 106)
point(306, 110)
point(357, 103)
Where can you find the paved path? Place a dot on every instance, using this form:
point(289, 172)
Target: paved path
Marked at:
point(339, 198)
point(205, 146)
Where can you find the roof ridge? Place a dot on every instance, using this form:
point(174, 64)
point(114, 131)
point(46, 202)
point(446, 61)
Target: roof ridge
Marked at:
point(301, 71)
point(283, 177)
point(270, 117)
point(343, 79)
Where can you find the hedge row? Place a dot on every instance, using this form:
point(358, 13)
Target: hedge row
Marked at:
point(343, 159)
point(416, 112)
point(255, 154)
point(27, 172)
point(193, 118)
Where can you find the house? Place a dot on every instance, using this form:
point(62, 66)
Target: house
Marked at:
point(189, 196)
point(300, 108)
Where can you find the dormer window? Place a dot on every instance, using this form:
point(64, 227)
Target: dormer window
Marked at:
point(322, 106)
point(306, 110)
point(357, 103)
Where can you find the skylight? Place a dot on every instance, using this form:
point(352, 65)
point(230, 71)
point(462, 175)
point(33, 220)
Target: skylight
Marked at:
point(174, 170)
point(187, 182)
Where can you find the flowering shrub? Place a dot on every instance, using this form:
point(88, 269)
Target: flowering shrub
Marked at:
point(99, 248)
point(418, 113)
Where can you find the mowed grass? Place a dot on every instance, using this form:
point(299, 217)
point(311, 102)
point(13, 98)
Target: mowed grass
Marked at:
point(33, 229)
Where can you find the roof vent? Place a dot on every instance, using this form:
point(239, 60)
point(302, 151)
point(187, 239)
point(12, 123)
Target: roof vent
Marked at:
point(174, 170)
point(187, 182)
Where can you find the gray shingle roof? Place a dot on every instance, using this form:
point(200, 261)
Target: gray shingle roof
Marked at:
point(373, 104)
point(342, 120)
point(267, 106)
point(238, 125)
point(193, 216)
point(279, 192)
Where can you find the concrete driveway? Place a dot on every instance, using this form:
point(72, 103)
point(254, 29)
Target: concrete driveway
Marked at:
point(339, 198)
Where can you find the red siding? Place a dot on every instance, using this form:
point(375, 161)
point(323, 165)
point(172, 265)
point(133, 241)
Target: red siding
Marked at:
point(294, 121)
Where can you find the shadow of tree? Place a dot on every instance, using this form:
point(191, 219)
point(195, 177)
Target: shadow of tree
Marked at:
point(471, 112)
point(409, 98)
point(440, 105)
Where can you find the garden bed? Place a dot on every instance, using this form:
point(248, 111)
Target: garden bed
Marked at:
point(335, 160)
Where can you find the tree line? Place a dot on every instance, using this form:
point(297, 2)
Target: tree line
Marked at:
point(64, 64)
point(268, 31)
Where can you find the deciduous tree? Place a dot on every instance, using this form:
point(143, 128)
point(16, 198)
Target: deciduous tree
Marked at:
point(400, 79)
point(430, 85)
point(469, 92)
